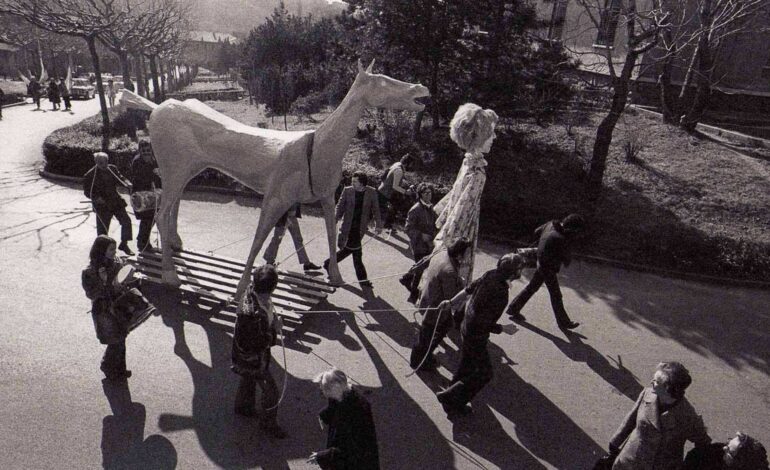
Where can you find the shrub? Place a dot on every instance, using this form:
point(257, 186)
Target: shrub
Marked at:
point(305, 106)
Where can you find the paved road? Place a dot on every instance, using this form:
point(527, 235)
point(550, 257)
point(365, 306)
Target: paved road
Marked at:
point(554, 402)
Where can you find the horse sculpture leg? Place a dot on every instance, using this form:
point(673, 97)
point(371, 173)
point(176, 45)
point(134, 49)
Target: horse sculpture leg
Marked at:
point(331, 232)
point(169, 239)
point(271, 212)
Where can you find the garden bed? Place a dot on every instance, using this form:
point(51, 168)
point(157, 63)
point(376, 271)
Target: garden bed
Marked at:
point(680, 203)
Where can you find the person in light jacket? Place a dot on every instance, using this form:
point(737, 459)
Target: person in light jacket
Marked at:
point(653, 433)
point(421, 223)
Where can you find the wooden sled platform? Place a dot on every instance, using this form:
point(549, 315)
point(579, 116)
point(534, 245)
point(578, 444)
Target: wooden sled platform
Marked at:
point(216, 277)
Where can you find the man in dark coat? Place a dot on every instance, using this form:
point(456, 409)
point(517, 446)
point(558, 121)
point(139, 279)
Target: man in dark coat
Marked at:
point(421, 223)
point(553, 250)
point(440, 283)
point(351, 440)
point(65, 94)
point(488, 297)
point(100, 185)
point(145, 177)
point(256, 329)
point(35, 91)
point(356, 207)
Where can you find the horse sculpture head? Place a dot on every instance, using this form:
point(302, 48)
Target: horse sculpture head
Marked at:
point(381, 91)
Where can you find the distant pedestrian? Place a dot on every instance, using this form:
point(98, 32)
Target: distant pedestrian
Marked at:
point(111, 92)
point(289, 221)
point(351, 439)
point(53, 94)
point(553, 251)
point(653, 433)
point(487, 297)
point(65, 95)
point(100, 185)
point(34, 89)
point(145, 179)
point(356, 207)
point(439, 284)
point(421, 223)
point(742, 452)
point(2, 97)
point(256, 328)
point(391, 192)
point(112, 327)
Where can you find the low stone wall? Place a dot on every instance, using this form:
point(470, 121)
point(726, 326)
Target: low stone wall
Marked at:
point(210, 95)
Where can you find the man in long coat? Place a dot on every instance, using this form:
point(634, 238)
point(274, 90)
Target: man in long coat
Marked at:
point(100, 186)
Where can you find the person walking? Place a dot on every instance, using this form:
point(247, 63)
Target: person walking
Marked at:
point(100, 186)
point(111, 92)
point(742, 452)
point(421, 223)
point(65, 95)
point(356, 207)
point(34, 90)
point(488, 296)
point(553, 251)
point(440, 283)
point(145, 179)
point(2, 97)
point(98, 281)
point(351, 438)
point(53, 94)
point(256, 328)
point(653, 433)
point(289, 220)
point(391, 193)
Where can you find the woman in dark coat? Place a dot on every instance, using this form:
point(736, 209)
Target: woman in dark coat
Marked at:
point(653, 434)
point(111, 326)
point(351, 442)
point(742, 452)
point(256, 329)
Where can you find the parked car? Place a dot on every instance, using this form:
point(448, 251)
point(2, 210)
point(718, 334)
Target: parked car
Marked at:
point(117, 80)
point(82, 89)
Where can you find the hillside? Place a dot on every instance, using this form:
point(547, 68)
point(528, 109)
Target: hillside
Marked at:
point(240, 16)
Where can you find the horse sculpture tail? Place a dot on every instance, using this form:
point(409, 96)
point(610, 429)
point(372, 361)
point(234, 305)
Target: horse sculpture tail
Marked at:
point(130, 100)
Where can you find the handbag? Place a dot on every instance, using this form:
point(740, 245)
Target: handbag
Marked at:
point(143, 201)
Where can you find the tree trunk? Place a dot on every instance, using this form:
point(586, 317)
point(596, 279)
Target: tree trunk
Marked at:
point(157, 97)
point(125, 66)
point(604, 132)
point(705, 67)
point(140, 88)
point(91, 40)
point(686, 92)
point(667, 99)
point(143, 64)
point(435, 112)
point(416, 131)
point(162, 77)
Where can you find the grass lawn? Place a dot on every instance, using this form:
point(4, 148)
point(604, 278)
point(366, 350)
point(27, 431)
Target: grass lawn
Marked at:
point(683, 203)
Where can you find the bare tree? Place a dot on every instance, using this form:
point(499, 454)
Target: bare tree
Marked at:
point(80, 18)
point(125, 35)
point(643, 28)
point(700, 28)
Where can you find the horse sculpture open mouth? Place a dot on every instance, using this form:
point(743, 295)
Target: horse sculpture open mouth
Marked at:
point(421, 98)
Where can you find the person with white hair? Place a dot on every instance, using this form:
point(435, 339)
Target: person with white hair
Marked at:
point(351, 442)
point(473, 130)
point(100, 186)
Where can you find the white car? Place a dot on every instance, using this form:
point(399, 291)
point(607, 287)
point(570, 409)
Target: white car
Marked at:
point(82, 89)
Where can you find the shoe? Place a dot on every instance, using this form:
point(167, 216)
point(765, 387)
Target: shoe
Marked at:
point(248, 412)
point(310, 267)
point(273, 430)
point(516, 316)
point(452, 410)
point(125, 249)
point(570, 326)
point(366, 284)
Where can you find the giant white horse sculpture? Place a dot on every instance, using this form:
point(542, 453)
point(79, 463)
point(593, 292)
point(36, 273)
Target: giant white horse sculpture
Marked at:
point(285, 166)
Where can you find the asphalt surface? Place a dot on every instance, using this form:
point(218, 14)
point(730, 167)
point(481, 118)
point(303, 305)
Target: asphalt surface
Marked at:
point(554, 402)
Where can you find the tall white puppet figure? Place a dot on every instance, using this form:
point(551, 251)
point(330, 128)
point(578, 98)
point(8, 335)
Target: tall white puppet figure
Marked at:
point(473, 130)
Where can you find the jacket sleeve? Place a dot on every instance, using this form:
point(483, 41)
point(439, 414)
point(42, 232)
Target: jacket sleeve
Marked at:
point(340, 210)
point(699, 434)
point(411, 227)
point(88, 181)
point(625, 428)
point(93, 285)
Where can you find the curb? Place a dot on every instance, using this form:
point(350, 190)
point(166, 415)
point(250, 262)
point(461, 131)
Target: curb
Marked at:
point(721, 281)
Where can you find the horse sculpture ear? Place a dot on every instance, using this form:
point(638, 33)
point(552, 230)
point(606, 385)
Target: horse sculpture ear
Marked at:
point(360, 66)
point(371, 66)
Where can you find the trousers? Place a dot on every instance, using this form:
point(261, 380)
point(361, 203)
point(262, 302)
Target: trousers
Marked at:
point(424, 346)
point(146, 221)
point(246, 395)
point(473, 372)
point(114, 359)
point(552, 283)
point(104, 216)
point(296, 236)
point(354, 239)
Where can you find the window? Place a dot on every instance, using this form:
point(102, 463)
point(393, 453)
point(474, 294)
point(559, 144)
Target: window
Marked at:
point(608, 24)
point(558, 14)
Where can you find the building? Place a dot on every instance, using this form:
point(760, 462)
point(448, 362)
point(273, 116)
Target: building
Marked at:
point(742, 65)
point(202, 48)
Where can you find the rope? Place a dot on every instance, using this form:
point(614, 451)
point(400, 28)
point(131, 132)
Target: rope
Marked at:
point(285, 376)
point(301, 247)
point(427, 353)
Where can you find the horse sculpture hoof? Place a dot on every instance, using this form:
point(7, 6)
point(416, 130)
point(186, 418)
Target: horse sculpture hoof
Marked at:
point(171, 279)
